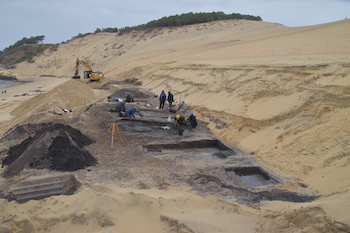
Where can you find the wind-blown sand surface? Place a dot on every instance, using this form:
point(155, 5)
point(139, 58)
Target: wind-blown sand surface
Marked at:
point(31, 86)
point(281, 94)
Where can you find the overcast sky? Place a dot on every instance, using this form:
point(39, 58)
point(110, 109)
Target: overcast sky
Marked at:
point(60, 20)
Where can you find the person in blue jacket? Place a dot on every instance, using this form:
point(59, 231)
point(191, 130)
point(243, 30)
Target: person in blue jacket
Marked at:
point(162, 99)
point(131, 112)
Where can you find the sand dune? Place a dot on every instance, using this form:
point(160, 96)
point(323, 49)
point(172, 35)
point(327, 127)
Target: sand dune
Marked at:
point(281, 94)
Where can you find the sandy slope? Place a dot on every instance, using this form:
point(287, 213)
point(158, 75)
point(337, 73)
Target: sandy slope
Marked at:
point(282, 93)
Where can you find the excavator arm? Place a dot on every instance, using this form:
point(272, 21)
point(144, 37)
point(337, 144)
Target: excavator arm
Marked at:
point(77, 64)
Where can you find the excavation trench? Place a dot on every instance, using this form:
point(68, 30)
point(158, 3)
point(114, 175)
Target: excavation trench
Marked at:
point(206, 143)
point(156, 125)
point(250, 176)
point(245, 182)
point(208, 165)
point(211, 149)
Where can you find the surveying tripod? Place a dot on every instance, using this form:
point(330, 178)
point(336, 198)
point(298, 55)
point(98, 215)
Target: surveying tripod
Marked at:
point(112, 128)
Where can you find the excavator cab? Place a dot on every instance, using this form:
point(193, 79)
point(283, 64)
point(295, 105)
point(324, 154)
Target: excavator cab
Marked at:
point(93, 76)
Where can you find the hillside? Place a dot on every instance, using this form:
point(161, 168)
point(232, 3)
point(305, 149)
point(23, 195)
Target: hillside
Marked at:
point(23, 53)
point(281, 95)
point(230, 68)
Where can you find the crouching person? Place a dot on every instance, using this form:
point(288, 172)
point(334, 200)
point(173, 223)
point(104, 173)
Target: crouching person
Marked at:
point(192, 120)
point(129, 97)
point(119, 107)
point(131, 112)
point(179, 120)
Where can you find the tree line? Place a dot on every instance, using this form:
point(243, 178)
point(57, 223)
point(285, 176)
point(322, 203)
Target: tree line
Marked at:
point(24, 41)
point(106, 30)
point(182, 20)
point(23, 50)
point(194, 18)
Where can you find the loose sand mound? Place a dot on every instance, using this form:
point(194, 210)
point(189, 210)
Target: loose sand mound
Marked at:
point(73, 95)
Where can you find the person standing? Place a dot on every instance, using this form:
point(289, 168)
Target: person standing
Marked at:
point(170, 99)
point(162, 99)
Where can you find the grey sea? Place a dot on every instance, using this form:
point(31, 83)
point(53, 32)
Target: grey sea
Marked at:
point(5, 83)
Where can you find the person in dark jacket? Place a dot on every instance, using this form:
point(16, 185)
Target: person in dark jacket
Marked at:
point(170, 99)
point(162, 99)
point(179, 121)
point(119, 107)
point(192, 120)
point(129, 97)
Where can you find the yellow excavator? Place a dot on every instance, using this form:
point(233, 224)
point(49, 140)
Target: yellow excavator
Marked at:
point(88, 74)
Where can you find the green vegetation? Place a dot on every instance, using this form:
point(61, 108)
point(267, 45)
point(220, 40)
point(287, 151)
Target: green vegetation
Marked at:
point(106, 30)
point(25, 41)
point(80, 35)
point(190, 18)
point(23, 50)
point(180, 20)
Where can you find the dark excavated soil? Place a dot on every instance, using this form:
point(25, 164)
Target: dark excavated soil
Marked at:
point(54, 146)
point(153, 154)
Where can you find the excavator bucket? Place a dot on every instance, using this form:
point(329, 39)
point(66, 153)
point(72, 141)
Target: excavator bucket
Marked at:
point(76, 77)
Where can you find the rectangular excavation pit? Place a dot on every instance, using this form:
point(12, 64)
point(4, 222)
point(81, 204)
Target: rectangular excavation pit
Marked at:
point(146, 126)
point(153, 121)
point(153, 114)
point(250, 176)
point(202, 149)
